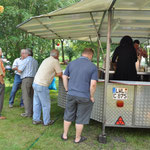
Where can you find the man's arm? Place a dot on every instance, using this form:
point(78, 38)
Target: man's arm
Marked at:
point(15, 64)
point(59, 74)
point(92, 89)
point(58, 69)
point(22, 66)
point(65, 82)
point(15, 68)
point(1, 79)
point(20, 71)
point(1, 75)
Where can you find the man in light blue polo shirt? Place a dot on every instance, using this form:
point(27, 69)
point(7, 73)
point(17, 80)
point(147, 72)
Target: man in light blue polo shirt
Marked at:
point(80, 93)
point(28, 69)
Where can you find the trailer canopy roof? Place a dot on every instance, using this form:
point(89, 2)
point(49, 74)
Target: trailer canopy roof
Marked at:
point(87, 19)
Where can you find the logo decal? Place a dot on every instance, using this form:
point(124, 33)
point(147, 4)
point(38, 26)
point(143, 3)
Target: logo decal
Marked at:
point(120, 121)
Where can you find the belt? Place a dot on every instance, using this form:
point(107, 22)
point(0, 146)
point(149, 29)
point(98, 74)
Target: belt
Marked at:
point(27, 77)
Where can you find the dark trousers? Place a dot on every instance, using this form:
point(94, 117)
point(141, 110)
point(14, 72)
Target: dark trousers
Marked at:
point(2, 91)
point(27, 95)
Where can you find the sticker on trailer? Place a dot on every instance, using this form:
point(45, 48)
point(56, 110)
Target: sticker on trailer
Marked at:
point(120, 93)
point(120, 121)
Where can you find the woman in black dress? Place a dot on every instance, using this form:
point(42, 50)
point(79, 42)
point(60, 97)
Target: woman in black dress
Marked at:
point(125, 58)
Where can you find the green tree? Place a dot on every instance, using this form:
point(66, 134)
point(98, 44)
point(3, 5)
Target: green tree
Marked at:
point(69, 52)
point(12, 40)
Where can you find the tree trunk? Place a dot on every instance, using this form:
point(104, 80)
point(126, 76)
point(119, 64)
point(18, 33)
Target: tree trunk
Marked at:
point(53, 44)
point(62, 49)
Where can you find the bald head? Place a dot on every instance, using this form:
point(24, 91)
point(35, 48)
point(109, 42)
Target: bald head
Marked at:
point(54, 53)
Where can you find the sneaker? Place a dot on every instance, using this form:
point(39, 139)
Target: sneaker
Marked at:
point(50, 123)
point(25, 115)
point(36, 122)
point(22, 106)
point(10, 106)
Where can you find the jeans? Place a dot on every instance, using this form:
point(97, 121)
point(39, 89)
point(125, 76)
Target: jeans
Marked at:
point(16, 84)
point(41, 100)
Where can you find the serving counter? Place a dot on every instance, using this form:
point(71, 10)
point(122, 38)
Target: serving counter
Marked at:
point(127, 103)
point(141, 75)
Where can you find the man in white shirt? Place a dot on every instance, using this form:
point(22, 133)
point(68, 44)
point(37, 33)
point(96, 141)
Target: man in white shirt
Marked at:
point(17, 80)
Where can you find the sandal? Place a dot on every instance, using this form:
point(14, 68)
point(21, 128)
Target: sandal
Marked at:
point(63, 138)
point(82, 139)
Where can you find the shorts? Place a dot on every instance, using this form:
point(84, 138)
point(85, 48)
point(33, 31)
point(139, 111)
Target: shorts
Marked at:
point(78, 109)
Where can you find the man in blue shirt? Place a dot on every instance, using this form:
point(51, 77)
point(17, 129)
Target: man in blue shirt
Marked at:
point(28, 69)
point(80, 88)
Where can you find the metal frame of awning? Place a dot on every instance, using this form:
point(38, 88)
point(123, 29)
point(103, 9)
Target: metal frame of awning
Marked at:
point(53, 24)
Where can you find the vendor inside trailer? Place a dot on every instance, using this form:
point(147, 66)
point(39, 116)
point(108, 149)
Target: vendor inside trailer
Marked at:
point(124, 59)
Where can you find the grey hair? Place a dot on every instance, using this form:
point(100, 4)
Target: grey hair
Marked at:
point(0, 49)
point(22, 50)
point(54, 53)
point(29, 51)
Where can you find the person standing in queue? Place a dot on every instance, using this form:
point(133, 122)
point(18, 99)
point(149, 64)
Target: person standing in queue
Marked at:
point(49, 68)
point(80, 88)
point(125, 57)
point(2, 85)
point(28, 69)
point(17, 80)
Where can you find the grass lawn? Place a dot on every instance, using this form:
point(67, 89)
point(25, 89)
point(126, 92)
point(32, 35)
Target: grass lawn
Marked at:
point(17, 133)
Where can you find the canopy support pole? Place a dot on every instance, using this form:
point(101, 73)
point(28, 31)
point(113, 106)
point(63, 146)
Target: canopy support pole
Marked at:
point(53, 43)
point(98, 52)
point(91, 40)
point(98, 40)
point(92, 43)
point(102, 137)
point(101, 23)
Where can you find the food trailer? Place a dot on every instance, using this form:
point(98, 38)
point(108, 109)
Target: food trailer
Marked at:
point(117, 103)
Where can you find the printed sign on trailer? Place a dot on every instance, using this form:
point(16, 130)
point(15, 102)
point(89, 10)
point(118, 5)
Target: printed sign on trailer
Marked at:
point(120, 93)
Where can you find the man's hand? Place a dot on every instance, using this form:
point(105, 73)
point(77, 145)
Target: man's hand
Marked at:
point(19, 71)
point(16, 68)
point(1, 79)
point(92, 99)
point(59, 74)
point(144, 53)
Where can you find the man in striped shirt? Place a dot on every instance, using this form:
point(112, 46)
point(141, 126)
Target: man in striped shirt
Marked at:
point(28, 69)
